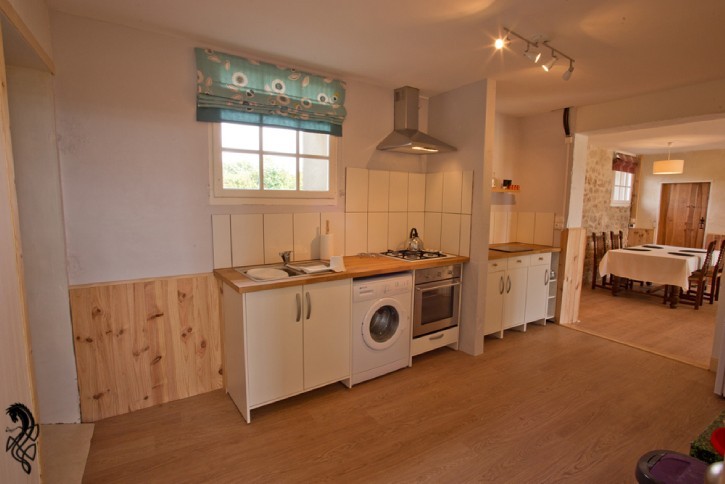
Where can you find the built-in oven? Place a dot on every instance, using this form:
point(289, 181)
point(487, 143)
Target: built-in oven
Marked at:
point(436, 299)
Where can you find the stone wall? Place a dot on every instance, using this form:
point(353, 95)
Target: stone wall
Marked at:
point(597, 213)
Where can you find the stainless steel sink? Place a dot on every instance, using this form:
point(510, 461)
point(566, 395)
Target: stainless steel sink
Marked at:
point(272, 272)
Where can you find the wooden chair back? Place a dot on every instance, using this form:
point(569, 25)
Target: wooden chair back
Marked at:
point(696, 290)
point(714, 274)
point(599, 246)
point(617, 239)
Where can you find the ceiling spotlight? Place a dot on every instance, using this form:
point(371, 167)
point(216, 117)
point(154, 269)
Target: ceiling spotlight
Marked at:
point(567, 74)
point(547, 67)
point(533, 56)
point(501, 42)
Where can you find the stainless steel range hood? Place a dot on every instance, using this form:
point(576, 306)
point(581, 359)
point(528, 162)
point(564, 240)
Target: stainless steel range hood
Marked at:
point(406, 138)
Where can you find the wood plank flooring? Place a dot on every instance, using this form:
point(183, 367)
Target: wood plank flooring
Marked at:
point(644, 322)
point(548, 405)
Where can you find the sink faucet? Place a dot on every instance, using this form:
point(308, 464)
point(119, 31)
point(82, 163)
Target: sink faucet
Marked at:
point(285, 256)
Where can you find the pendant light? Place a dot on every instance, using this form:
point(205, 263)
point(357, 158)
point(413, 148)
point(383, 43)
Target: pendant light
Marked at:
point(668, 166)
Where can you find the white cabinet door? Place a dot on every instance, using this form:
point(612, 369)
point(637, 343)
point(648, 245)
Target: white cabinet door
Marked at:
point(274, 320)
point(495, 288)
point(326, 332)
point(537, 293)
point(514, 301)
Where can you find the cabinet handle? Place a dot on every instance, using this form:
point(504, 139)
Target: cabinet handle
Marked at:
point(309, 304)
point(500, 285)
point(508, 284)
point(299, 307)
point(546, 277)
point(432, 338)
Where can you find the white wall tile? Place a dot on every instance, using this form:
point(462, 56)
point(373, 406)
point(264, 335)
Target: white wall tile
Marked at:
point(247, 239)
point(278, 236)
point(525, 227)
point(465, 248)
point(544, 228)
point(356, 190)
point(452, 183)
point(416, 192)
point(433, 192)
point(432, 238)
point(398, 199)
point(397, 230)
point(356, 233)
point(378, 190)
point(306, 236)
point(416, 220)
point(466, 191)
point(450, 233)
point(513, 223)
point(337, 229)
point(377, 232)
point(221, 230)
point(499, 227)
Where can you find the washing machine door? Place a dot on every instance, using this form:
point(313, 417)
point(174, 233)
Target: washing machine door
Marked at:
point(384, 323)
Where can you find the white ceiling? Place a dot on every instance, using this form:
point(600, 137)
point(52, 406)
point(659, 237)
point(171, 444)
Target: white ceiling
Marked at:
point(622, 48)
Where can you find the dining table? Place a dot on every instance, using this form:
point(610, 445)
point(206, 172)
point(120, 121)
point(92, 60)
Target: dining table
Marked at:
point(664, 265)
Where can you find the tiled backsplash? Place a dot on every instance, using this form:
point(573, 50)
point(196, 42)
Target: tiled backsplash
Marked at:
point(381, 207)
point(526, 227)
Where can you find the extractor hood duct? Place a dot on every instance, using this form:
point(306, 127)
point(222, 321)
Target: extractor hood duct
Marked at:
point(406, 138)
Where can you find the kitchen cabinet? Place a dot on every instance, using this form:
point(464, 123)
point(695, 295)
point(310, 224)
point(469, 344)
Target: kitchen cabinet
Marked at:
point(517, 293)
point(537, 288)
point(282, 342)
point(506, 294)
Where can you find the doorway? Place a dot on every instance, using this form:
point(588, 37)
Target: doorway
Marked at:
point(683, 212)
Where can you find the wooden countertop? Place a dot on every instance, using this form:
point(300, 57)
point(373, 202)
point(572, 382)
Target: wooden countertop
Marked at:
point(535, 249)
point(355, 266)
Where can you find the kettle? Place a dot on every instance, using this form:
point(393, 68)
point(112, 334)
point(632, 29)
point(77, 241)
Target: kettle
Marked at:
point(414, 242)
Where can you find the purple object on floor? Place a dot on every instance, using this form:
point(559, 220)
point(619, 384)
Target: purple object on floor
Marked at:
point(669, 467)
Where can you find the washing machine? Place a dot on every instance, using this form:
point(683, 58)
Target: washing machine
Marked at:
point(381, 308)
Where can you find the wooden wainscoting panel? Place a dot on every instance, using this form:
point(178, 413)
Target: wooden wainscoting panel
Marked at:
point(571, 271)
point(640, 237)
point(142, 343)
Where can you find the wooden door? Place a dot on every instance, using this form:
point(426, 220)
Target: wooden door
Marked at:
point(683, 211)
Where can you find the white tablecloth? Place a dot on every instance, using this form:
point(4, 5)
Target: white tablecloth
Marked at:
point(654, 265)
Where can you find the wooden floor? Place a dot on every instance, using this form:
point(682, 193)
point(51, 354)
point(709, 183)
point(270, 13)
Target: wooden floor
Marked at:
point(548, 405)
point(644, 322)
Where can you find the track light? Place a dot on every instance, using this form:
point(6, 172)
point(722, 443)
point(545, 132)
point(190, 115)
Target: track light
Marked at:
point(547, 67)
point(533, 56)
point(533, 53)
point(567, 74)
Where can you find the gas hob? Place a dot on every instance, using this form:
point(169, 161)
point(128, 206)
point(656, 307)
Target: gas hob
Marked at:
point(415, 255)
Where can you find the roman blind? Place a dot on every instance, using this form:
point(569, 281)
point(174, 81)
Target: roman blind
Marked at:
point(625, 163)
point(235, 89)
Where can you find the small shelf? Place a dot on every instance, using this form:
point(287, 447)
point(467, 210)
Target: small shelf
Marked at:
point(504, 190)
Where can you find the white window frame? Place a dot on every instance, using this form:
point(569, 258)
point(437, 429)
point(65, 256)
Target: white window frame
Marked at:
point(218, 195)
point(628, 185)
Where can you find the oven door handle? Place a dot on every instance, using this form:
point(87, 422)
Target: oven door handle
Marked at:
point(439, 286)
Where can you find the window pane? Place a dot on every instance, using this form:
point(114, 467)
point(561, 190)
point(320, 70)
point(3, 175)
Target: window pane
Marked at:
point(314, 144)
point(240, 136)
point(280, 172)
point(314, 174)
point(240, 171)
point(279, 140)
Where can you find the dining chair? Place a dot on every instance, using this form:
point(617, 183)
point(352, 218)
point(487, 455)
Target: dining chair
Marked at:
point(698, 281)
point(713, 275)
point(599, 245)
point(617, 239)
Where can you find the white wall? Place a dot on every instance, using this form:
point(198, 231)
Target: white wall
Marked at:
point(700, 166)
point(135, 162)
point(41, 225)
point(35, 15)
point(464, 118)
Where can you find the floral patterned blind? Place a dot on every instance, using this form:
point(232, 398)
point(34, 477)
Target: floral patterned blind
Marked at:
point(239, 90)
point(624, 162)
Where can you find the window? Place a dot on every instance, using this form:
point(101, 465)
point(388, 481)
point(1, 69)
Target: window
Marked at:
point(622, 189)
point(267, 163)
